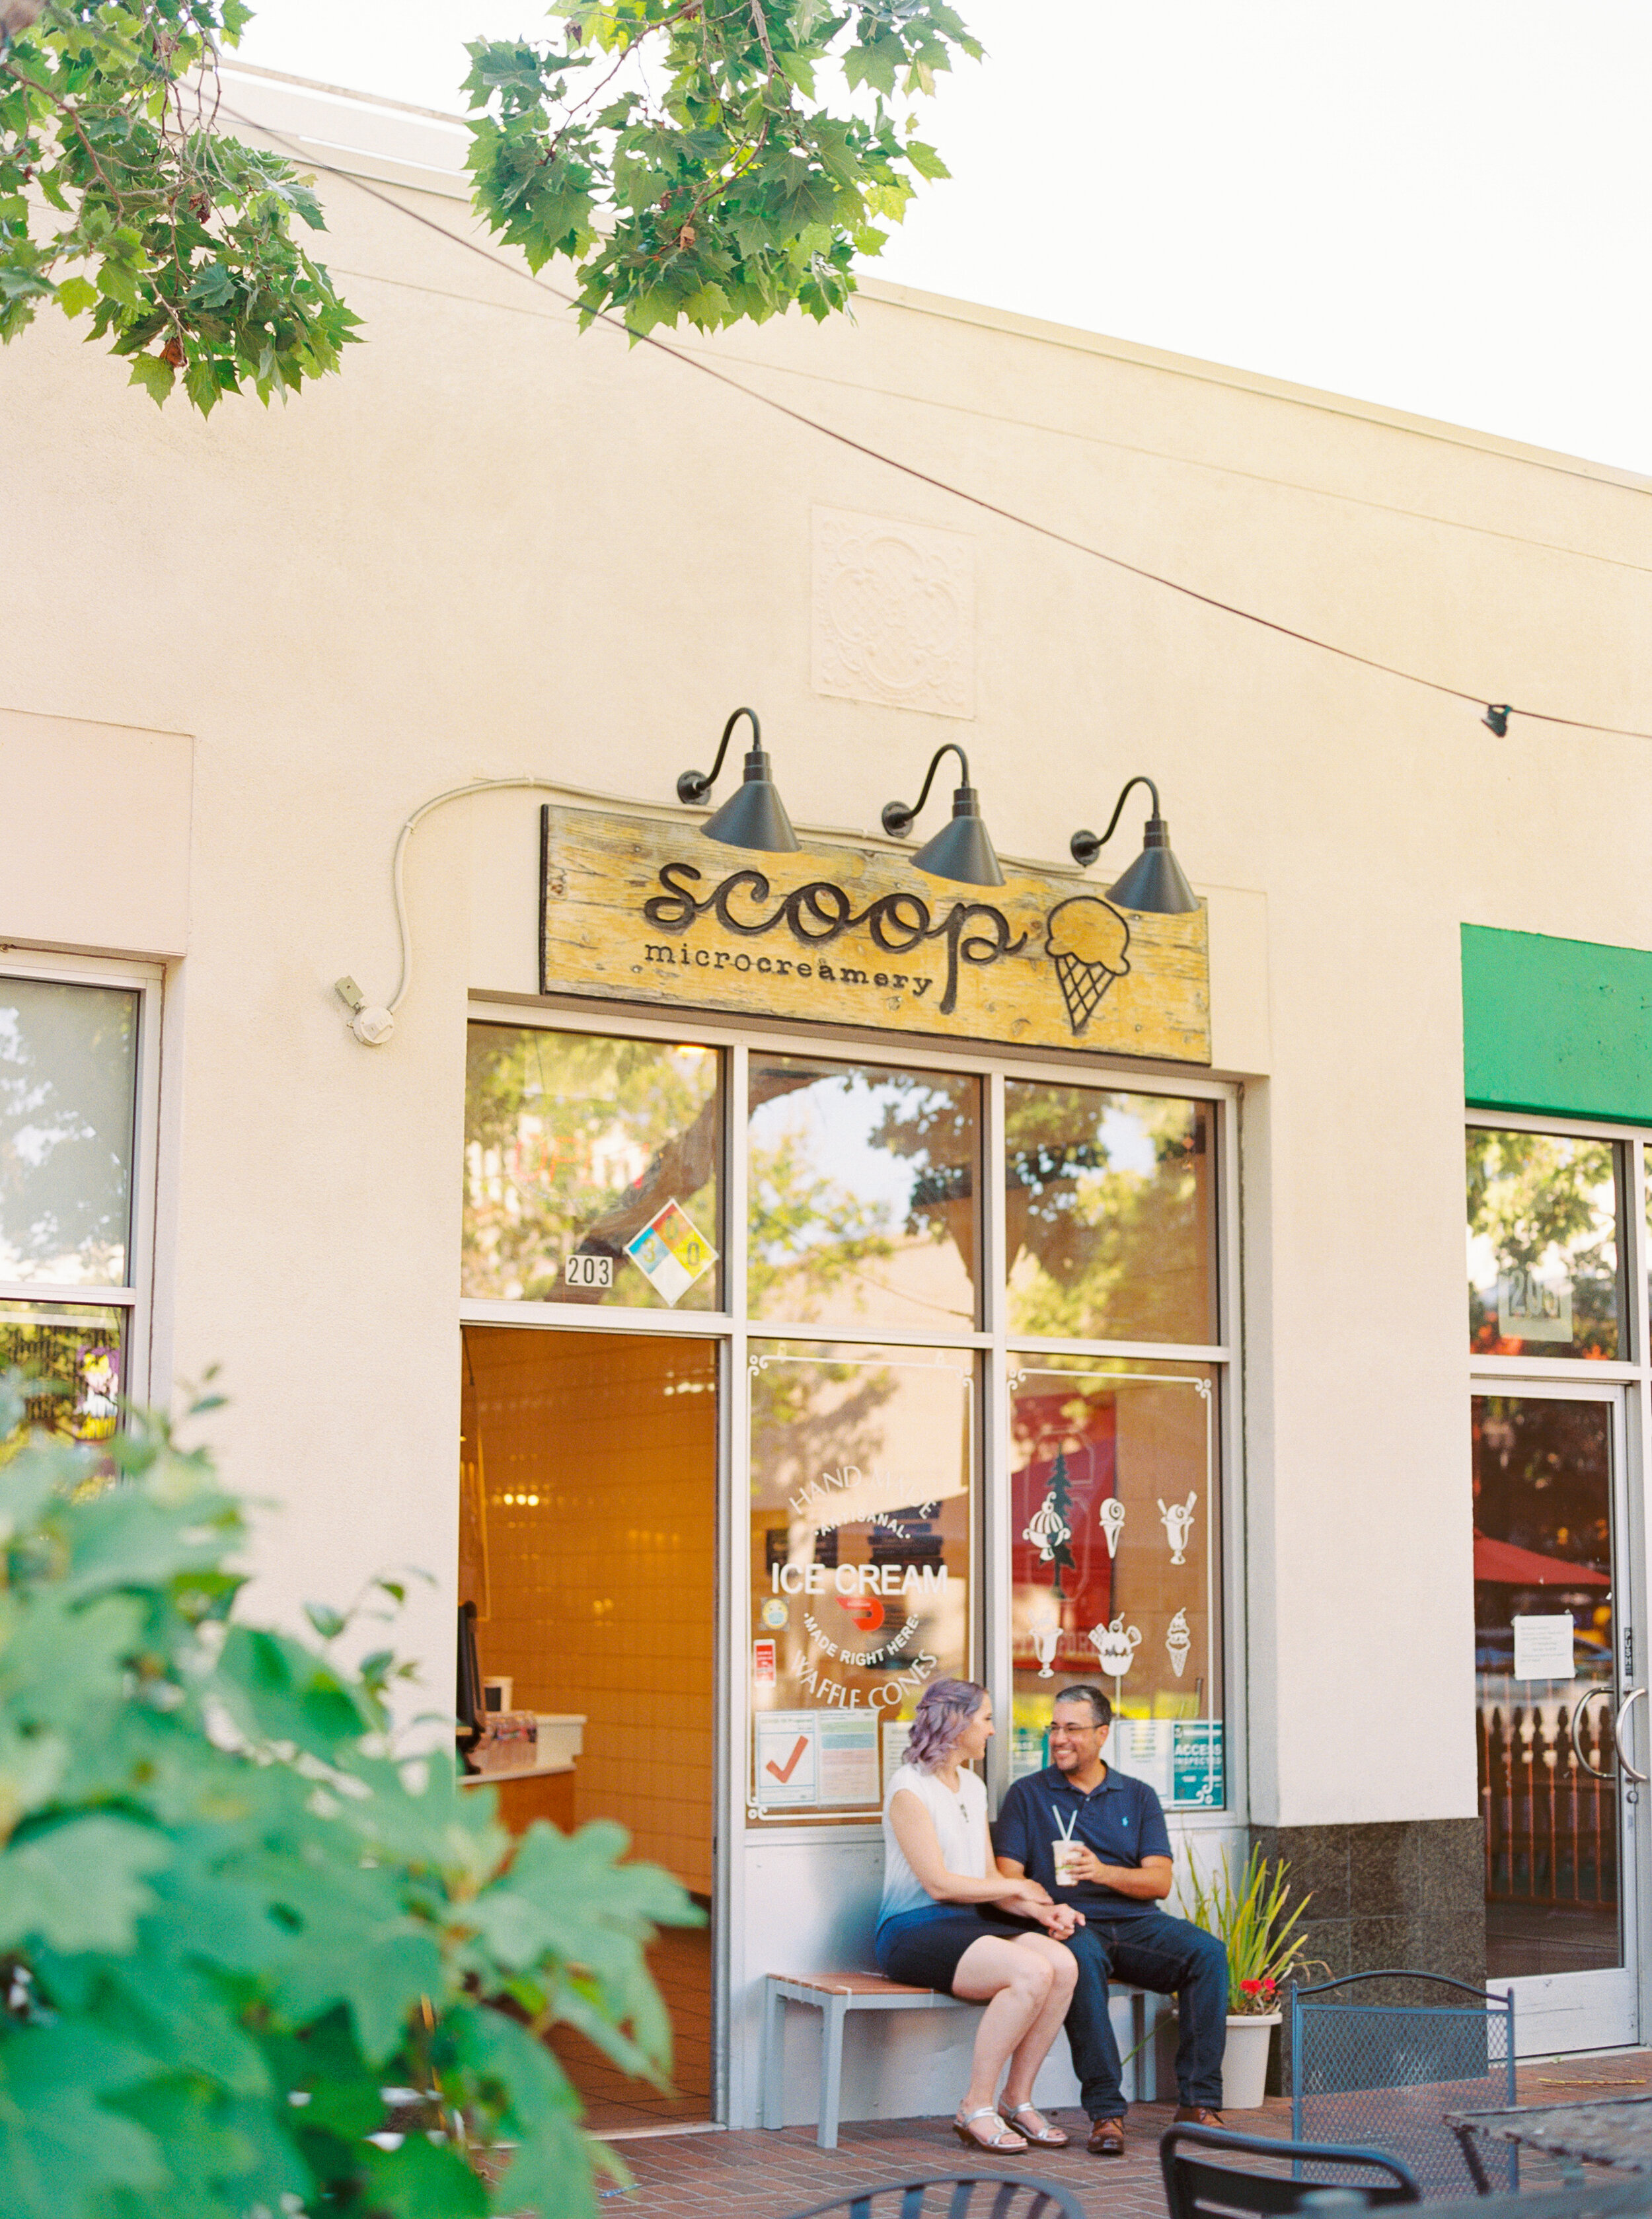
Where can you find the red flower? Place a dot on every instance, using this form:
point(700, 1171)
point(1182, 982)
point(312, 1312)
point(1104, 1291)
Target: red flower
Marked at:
point(1254, 1987)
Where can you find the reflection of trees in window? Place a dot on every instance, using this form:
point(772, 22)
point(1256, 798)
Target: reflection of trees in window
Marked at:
point(813, 1237)
point(1103, 1249)
point(1545, 1204)
point(809, 1236)
point(67, 1063)
point(573, 1142)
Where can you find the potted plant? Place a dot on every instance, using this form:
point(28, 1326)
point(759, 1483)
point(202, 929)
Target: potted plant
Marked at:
point(1255, 1920)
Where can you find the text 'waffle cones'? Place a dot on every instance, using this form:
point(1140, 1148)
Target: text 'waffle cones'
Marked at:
point(1082, 986)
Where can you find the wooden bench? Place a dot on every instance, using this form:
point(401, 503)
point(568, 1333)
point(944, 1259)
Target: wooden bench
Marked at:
point(834, 1995)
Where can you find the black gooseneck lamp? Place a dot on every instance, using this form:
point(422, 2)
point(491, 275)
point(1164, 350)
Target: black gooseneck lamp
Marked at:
point(754, 816)
point(962, 850)
point(1154, 883)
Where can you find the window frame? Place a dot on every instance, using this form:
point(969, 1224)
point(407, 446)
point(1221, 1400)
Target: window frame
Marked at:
point(136, 1295)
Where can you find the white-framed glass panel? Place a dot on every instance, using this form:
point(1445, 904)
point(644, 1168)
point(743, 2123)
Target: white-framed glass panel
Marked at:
point(593, 1170)
point(862, 1183)
point(68, 1100)
point(77, 1078)
point(1111, 1213)
point(862, 1563)
point(1545, 1273)
point(1116, 1557)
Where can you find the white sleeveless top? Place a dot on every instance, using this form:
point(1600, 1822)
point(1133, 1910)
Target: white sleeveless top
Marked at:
point(960, 1828)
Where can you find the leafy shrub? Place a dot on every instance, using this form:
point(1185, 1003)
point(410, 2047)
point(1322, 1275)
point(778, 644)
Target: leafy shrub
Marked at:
point(232, 1918)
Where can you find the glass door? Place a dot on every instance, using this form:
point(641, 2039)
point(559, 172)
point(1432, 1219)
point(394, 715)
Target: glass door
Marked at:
point(1560, 1728)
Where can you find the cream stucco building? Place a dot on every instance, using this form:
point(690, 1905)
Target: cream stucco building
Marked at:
point(235, 659)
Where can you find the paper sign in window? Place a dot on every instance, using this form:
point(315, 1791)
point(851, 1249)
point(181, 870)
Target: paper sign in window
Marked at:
point(1543, 1647)
point(848, 1741)
point(787, 1758)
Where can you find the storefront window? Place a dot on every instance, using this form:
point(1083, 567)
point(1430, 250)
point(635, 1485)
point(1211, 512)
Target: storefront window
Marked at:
point(68, 1100)
point(861, 1564)
point(1111, 1225)
point(1545, 1278)
point(591, 1170)
point(68, 1069)
point(1116, 1563)
point(862, 1185)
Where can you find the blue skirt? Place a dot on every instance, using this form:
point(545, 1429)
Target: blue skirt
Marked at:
point(923, 1947)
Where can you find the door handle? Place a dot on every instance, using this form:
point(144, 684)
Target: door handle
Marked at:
point(1629, 1700)
point(1587, 1697)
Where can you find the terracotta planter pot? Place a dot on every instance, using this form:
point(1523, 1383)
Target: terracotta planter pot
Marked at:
point(1245, 2065)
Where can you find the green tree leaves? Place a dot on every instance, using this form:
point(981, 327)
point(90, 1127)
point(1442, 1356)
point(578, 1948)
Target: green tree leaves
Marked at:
point(716, 188)
point(720, 185)
point(119, 201)
point(231, 1918)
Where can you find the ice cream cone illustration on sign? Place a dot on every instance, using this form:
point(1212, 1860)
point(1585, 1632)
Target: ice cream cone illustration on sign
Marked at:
point(1085, 939)
point(1178, 1641)
point(1116, 1645)
point(1112, 1518)
point(1179, 1524)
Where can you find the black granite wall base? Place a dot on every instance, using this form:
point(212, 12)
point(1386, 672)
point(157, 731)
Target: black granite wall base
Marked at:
point(1409, 1895)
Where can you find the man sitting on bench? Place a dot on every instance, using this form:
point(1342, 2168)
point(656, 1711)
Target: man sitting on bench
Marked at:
point(1116, 1869)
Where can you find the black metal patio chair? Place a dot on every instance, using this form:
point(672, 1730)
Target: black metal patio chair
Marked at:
point(1380, 2057)
point(956, 2196)
point(1195, 2187)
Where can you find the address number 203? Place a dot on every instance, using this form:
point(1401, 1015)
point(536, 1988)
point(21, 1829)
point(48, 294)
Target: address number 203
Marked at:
point(588, 1271)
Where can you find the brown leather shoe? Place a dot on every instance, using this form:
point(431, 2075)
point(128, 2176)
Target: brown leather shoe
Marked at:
point(1195, 2114)
point(1106, 2138)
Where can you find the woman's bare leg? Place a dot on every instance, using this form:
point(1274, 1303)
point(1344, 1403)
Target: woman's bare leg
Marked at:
point(1015, 1984)
point(1034, 2047)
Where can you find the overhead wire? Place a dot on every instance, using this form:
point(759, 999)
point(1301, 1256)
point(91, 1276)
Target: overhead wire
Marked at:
point(1504, 710)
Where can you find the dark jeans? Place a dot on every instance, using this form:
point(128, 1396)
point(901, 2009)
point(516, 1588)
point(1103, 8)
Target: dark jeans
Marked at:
point(1172, 1957)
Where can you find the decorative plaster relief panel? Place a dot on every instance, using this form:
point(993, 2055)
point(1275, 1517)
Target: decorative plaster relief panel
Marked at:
point(894, 613)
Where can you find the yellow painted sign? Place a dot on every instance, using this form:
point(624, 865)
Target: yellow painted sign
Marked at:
point(637, 911)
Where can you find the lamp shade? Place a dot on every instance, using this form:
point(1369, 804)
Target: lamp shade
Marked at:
point(1154, 884)
point(962, 850)
point(754, 816)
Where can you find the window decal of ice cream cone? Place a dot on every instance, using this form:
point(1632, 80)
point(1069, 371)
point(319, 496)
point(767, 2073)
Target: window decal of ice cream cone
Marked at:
point(1086, 940)
point(1178, 1525)
point(1178, 1641)
point(1112, 1517)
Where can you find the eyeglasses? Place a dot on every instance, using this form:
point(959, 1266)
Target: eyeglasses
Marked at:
point(1072, 1732)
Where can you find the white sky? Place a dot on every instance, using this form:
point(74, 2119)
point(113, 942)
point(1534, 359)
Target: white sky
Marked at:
point(1441, 205)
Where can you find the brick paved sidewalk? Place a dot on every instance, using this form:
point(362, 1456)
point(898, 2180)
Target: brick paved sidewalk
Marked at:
point(760, 2175)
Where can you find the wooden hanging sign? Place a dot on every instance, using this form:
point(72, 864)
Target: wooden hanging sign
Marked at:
point(634, 910)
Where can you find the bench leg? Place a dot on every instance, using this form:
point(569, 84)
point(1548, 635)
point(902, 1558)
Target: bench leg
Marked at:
point(831, 2069)
point(774, 2055)
point(1145, 2031)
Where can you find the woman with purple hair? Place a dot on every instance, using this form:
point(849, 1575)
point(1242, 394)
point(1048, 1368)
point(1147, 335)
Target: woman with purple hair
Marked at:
point(949, 1921)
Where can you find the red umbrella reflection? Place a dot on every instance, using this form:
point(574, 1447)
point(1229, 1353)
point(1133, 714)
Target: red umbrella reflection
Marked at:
point(1524, 1568)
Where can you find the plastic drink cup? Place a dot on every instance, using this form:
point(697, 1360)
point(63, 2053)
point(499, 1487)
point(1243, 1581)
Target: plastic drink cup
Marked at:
point(1066, 1854)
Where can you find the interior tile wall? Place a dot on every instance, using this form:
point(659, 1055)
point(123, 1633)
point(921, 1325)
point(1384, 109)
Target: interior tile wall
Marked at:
point(588, 1545)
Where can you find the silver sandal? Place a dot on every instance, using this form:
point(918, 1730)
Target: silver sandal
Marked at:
point(1049, 2138)
point(999, 2145)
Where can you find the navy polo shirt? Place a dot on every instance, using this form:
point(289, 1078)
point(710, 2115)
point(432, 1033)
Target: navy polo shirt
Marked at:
point(1122, 1821)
